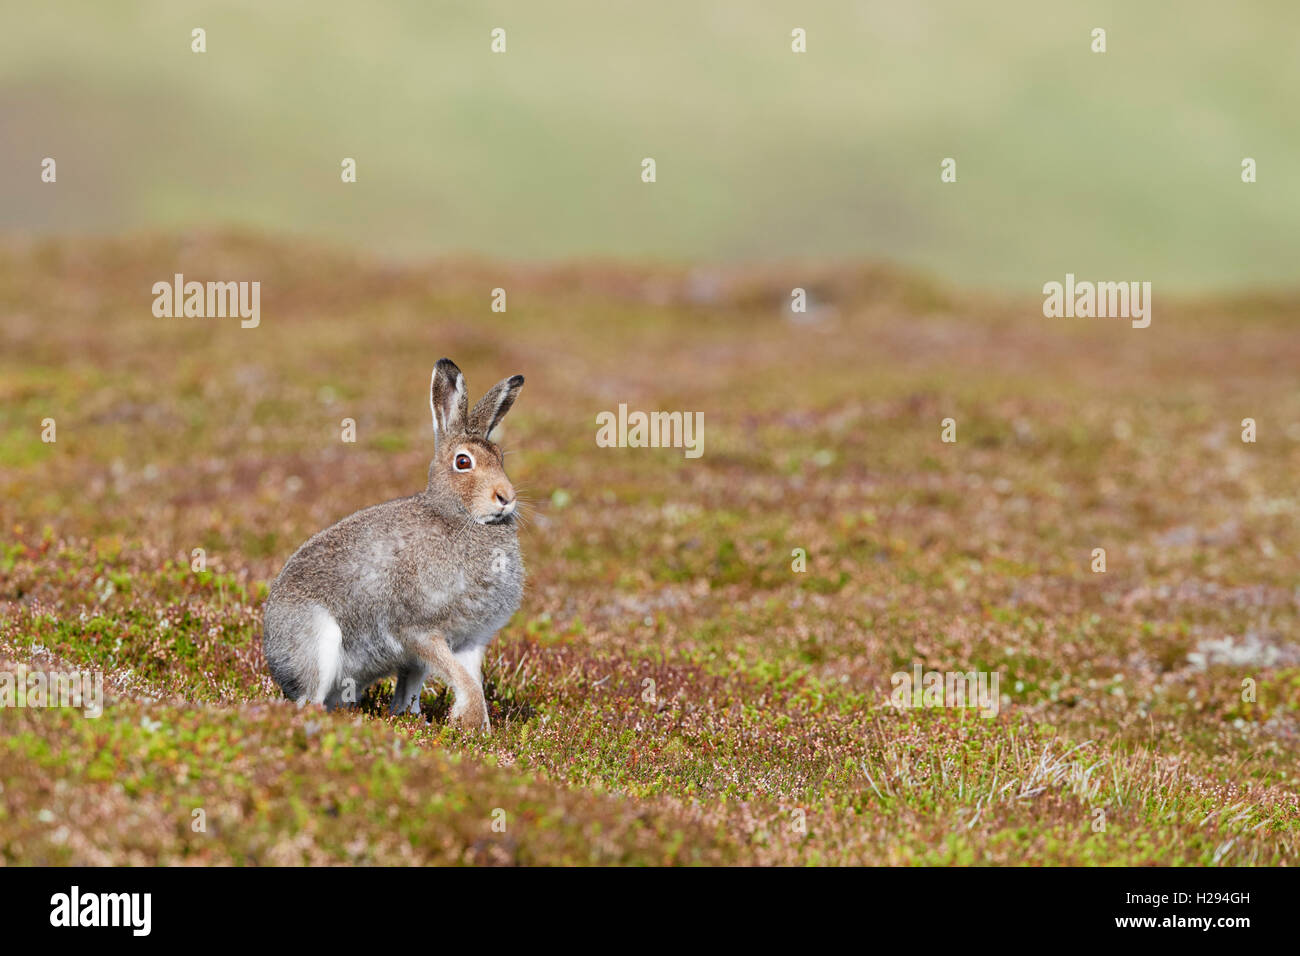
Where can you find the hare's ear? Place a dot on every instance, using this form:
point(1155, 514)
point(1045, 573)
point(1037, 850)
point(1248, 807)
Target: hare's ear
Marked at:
point(492, 407)
point(447, 398)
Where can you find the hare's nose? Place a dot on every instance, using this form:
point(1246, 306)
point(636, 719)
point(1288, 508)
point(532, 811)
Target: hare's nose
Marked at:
point(502, 500)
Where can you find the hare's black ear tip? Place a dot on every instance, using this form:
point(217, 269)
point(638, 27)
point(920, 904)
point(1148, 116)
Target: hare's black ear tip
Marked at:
point(516, 381)
point(448, 368)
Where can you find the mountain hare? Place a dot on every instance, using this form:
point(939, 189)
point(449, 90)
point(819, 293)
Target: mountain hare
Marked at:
point(412, 587)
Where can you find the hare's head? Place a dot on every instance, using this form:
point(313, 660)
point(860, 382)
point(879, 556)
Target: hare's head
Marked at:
point(465, 459)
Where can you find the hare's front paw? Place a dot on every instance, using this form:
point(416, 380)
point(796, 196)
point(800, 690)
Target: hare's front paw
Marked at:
point(472, 716)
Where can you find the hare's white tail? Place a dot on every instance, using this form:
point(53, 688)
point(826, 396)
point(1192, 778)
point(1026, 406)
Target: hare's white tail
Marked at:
point(304, 649)
point(328, 638)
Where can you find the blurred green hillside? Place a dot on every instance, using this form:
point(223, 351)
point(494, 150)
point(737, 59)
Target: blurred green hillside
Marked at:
point(1124, 165)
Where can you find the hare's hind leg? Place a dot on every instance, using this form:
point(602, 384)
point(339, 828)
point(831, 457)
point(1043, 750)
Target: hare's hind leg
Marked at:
point(410, 681)
point(470, 709)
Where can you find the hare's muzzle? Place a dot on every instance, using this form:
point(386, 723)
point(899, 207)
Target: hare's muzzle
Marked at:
point(503, 499)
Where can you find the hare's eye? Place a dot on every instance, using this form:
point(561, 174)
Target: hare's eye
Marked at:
point(464, 462)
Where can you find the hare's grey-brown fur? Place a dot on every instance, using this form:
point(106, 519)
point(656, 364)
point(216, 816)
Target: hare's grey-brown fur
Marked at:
point(411, 587)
